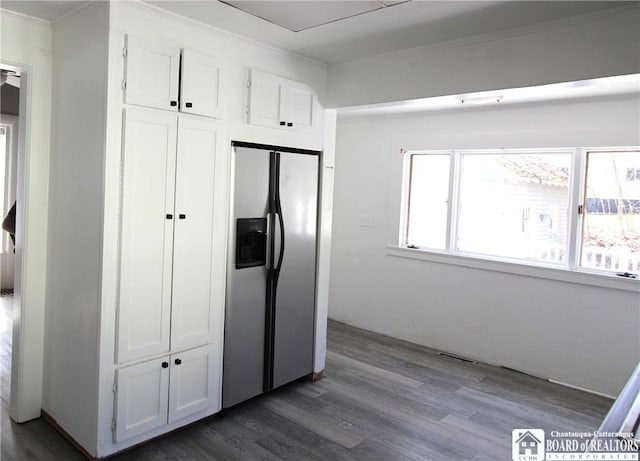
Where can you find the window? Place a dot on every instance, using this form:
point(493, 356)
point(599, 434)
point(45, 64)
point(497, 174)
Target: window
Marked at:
point(565, 207)
point(428, 199)
point(611, 222)
point(509, 205)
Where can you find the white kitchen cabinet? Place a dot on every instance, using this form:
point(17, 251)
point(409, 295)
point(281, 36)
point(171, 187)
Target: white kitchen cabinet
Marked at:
point(164, 390)
point(194, 383)
point(200, 80)
point(192, 321)
point(146, 236)
point(154, 71)
point(277, 102)
point(142, 402)
point(299, 100)
point(164, 299)
point(152, 74)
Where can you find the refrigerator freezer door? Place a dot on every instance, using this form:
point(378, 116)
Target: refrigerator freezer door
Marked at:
point(246, 290)
point(295, 291)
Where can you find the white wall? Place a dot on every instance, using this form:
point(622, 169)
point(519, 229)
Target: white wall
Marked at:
point(583, 335)
point(324, 241)
point(580, 48)
point(75, 221)
point(26, 43)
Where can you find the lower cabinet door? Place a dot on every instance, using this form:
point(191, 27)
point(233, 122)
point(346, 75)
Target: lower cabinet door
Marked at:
point(141, 402)
point(161, 391)
point(194, 383)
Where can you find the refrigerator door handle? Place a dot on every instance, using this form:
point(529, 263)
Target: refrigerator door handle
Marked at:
point(278, 266)
point(278, 211)
point(269, 324)
point(268, 257)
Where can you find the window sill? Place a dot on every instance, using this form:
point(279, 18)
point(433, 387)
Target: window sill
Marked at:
point(561, 274)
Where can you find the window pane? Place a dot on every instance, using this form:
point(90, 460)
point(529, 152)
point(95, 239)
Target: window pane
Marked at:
point(611, 224)
point(515, 206)
point(428, 196)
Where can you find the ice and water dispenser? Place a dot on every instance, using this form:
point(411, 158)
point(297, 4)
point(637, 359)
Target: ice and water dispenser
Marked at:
point(251, 242)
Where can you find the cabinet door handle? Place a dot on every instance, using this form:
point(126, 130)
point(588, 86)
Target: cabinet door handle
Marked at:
point(165, 364)
point(189, 104)
point(174, 103)
point(289, 123)
point(169, 216)
point(283, 123)
point(182, 216)
point(178, 361)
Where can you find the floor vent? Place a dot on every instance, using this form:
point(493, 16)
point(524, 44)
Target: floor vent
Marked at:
point(457, 357)
point(6, 292)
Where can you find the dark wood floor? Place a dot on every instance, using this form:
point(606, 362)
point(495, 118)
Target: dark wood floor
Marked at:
point(381, 399)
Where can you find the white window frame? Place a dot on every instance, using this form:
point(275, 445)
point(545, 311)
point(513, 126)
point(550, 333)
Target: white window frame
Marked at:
point(570, 271)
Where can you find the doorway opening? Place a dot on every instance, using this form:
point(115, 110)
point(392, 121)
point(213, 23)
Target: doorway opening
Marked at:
point(9, 112)
point(12, 125)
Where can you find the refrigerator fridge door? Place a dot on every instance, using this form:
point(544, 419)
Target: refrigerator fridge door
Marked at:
point(246, 287)
point(297, 190)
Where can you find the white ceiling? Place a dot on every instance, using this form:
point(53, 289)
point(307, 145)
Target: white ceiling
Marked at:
point(299, 16)
point(362, 33)
point(384, 30)
point(48, 10)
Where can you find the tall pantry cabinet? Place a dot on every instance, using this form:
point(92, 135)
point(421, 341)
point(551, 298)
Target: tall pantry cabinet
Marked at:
point(135, 298)
point(167, 319)
point(165, 302)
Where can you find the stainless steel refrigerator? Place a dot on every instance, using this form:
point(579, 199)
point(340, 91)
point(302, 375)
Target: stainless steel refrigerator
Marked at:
point(271, 278)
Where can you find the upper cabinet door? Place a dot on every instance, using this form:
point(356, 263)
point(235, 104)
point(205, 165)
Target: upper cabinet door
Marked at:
point(265, 100)
point(192, 310)
point(299, 100)
point(200, 84)
point(152, 74)
point(148, 185)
